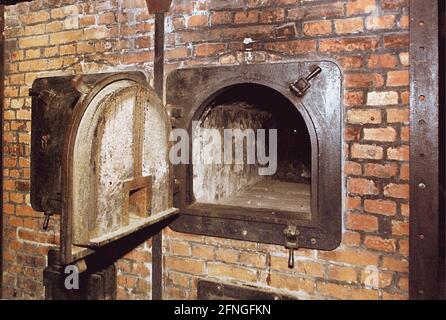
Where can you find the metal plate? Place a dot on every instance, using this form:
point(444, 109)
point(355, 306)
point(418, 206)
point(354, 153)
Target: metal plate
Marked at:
point(208, 290)
point(192, 89)
point(53, 101)
point(425, 225)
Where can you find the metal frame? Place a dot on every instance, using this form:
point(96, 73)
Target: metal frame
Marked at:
point(210, 290)
point(426, 225)
point(190, 90)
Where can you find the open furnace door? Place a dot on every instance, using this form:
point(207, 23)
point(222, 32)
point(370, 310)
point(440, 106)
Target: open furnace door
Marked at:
point(116, 177)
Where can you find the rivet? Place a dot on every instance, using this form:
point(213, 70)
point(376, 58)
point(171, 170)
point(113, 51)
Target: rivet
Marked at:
point(372, 118)
point(313, 241)
point(245, 233)
point(421, 122)
point(422, 155)
point(277, 298)
point(422, 186)
point(421, 23)
point(421, 236)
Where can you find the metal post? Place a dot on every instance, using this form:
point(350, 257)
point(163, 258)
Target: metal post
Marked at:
point(157, 240)
point(425, 220)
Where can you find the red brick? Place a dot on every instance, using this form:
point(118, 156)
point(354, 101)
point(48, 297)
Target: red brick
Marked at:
point(363, 80)
point(360, 6)
point(351, 62)
point(361, 222)
point(380, 22)
point(346, 292)
point(234, 272)
point(221, 17)
point(197, 21)
point(292, 47)
point(395, 41)
point(394, 190)
point(343, 274)
point(315, 28)
point(401, 153)
point(209, 49)
point(362, 186)
point(405, 171)
point(384, 207)
point(349, 44)
point(381, 170)
point(365, 151)
point(185, 265)
point(398, 115)
point(352, 168)
point(400, 265)
point(292, 283)
point(353, 98)
point(400, 228)
point(364, 116)
point(380, 134)
point(386, 60)
point(398, 78)
point(246, 17)
point(352, 25)
point(380, 244)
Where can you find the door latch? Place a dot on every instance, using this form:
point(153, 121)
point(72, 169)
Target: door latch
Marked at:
point(301, 86)
point(46, 220)
point(291, 243)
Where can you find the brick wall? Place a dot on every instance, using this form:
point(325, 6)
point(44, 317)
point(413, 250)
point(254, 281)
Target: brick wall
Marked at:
point(48, 38)
point(369, 40)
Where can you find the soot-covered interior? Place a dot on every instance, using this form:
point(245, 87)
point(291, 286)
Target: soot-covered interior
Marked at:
point(252, 106)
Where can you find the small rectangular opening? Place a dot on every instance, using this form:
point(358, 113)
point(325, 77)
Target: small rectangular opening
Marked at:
point(138, 202)
point(138, 198)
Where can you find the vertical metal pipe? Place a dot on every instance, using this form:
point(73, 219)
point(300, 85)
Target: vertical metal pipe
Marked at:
point(157, 240)
point(159, 54)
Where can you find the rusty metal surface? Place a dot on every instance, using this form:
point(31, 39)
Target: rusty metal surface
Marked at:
point(59, 104)
point(157, 240)
point(158, 6)
point(192, 89)
point(443, 147)
point(424, 158)
point(209, 290)
point(53, 101)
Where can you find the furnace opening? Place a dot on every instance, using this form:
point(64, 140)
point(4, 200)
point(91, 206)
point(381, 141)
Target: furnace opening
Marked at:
point(249, 110)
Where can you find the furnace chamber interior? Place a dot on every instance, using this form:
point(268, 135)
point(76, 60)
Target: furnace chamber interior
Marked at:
point(239, 117)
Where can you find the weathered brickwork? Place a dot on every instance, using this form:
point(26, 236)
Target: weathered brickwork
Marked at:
point(49, 38)
point(368, 39)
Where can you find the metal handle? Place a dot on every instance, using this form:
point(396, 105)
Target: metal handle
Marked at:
point(291, 258)
point(46, 221)
point(314, 73)
point(291, 243)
